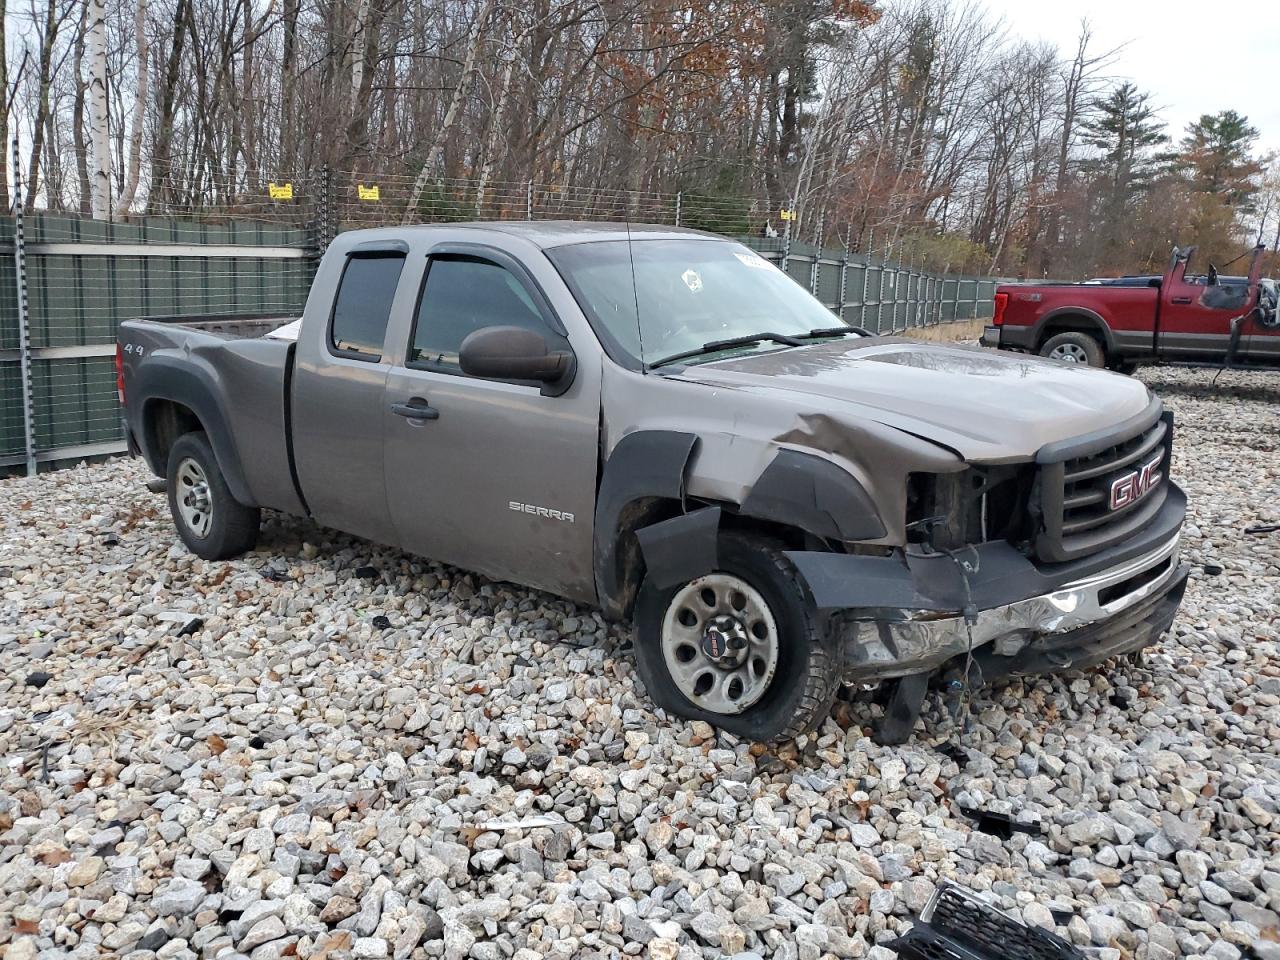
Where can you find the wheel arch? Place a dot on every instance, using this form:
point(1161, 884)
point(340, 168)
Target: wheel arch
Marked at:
point(646, 523)
point(1074, 319)
point(177, 401)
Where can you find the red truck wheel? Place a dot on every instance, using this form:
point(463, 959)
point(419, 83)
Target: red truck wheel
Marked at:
point(1074, 347)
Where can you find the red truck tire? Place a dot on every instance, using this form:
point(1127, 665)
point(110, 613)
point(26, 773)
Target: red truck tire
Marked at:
point(1072, 346)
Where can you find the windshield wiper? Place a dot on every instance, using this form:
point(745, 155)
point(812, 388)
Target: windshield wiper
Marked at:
point(714, 346)
point(836, 332)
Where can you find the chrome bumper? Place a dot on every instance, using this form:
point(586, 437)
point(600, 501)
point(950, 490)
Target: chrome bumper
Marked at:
point(922, 641)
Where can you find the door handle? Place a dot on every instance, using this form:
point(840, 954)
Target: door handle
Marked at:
point(1183, 300)
point(416, 409)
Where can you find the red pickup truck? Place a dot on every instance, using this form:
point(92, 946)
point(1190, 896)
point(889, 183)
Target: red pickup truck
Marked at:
point(1119, 324)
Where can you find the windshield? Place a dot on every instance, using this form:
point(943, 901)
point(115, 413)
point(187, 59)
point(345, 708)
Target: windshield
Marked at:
point(689, 293)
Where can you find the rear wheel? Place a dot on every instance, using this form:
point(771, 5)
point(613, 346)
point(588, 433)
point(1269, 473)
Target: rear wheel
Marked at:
point(739, 648)
point(1071, 346)
point(210, 521)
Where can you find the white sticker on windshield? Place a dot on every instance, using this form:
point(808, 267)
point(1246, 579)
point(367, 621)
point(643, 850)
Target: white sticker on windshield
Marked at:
point(751, 260)
point(692, 280)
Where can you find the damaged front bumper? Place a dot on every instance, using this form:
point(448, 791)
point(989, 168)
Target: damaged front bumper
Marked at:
point(1036, 635)
point(903, 616)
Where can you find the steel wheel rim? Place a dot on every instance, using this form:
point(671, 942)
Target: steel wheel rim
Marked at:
point(711, 615)
point(1069, 353)
point(195, 504)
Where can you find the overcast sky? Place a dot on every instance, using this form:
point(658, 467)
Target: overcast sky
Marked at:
point(1193, 57)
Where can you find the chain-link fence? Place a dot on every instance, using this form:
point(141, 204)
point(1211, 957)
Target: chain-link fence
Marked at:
point(67, 281)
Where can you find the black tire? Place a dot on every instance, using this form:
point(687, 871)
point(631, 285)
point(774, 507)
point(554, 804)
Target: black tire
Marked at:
point(1127, 367)
point(804, 684)
point(232, 528)
point(1077, 343)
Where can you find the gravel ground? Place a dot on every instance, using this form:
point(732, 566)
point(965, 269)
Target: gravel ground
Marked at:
point(328, 749)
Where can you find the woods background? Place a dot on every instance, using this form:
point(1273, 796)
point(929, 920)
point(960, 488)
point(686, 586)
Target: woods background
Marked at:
point(919, 125)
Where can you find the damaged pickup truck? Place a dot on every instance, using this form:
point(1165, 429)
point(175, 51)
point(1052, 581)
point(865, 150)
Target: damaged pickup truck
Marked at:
point(662, 424)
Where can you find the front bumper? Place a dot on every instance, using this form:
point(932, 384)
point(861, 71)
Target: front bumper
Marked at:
point(1125, 608)
point(902, 616)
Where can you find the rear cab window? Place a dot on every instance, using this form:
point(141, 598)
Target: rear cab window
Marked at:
point(362, 307)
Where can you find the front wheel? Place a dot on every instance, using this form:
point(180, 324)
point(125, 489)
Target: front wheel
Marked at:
point(1074, 347)
point(740, 647)
point(210, 521)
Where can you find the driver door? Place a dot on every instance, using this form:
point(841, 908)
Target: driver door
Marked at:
point(1195, 318)
point(493, 476)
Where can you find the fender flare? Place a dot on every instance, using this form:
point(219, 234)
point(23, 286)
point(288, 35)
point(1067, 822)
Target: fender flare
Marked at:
point(1092, 318)
point(189, 385)
point(643, 464)
point(814, 495)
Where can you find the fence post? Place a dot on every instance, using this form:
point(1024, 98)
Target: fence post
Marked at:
point(844, 275)
point(326, 217)
point(679, 198)
point(24, 326)
point(866, 277)
point(528, 200)
point(786, 234)
point(816, 266)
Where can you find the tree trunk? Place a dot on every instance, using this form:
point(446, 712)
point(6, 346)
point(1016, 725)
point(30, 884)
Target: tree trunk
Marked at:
point(139, 111)
point(161, 155)
point(47, 41)
point(100, 173)
point(451, 115)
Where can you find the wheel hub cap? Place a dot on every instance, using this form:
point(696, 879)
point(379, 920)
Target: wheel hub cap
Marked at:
point(720, 643)
point(725, 641)
point(194, 500)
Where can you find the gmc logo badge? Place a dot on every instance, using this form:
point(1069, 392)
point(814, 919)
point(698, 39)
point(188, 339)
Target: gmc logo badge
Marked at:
point(1133, 486)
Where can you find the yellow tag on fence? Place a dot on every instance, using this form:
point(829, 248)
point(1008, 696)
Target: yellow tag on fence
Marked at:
point(368, 193)
point(280, 191)
point(787, 214)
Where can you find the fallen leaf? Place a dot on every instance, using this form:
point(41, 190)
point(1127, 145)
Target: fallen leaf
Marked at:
point(216, 744)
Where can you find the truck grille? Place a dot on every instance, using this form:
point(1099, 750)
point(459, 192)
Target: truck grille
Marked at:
point(1099, 490)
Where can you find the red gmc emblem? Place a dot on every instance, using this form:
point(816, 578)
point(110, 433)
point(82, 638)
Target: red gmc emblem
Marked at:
point(1135, 485)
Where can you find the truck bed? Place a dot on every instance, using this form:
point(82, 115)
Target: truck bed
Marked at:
point(228, 326)
point(198, 362)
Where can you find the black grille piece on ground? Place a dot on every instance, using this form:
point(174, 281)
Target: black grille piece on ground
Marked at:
point(956, 925)
point(1077, 477)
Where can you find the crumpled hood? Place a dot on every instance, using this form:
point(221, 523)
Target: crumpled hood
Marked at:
point(984, 405)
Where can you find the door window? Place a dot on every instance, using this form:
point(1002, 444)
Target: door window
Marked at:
point(461, 295)
point(363, 305)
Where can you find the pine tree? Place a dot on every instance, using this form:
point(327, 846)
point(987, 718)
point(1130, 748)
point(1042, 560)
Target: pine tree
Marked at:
point(1123, 126)
point(1217, 156)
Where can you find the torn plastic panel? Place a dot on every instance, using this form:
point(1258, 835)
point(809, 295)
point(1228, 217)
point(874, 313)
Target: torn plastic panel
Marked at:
point(682, 548)
point(1000, 573)
point(814, 495)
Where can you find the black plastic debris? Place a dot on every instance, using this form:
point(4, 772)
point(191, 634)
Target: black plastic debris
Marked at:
point(1213, 569)
point(366, 573)
point(1263, 528)
point(110, 540)
point(953, 751)
point(956, 925)
point(191, 626)
point(273, 574)
point(38, 679)
point(1000, 824)
point(381, 623)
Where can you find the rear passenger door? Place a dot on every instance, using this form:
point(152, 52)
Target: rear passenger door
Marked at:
point(339, 384)
point(495, 476)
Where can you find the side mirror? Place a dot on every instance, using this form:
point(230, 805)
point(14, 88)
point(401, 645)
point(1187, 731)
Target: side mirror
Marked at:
point(515, 353)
